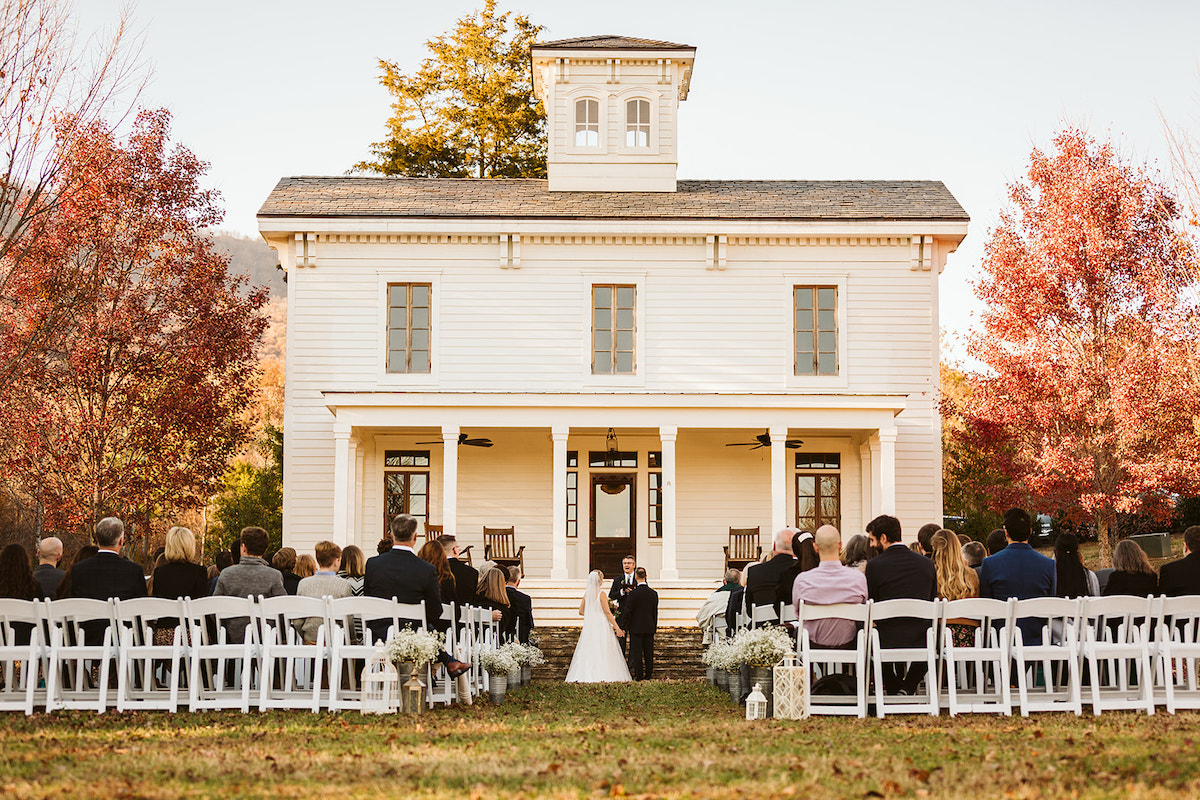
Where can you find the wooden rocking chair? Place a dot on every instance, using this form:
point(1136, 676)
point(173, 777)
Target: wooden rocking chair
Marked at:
point(434, 532)
point(744, 548)
point(500, 545)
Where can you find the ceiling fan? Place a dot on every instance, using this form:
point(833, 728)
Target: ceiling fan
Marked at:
point(462, 439)
point(764, 440)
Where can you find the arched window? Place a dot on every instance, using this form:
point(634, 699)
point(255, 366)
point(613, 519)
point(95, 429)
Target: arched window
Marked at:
point(637, 123)
point(587, 123)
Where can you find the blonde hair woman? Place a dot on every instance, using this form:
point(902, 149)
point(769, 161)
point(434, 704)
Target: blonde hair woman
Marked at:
point(955, 581)
point(178, 577)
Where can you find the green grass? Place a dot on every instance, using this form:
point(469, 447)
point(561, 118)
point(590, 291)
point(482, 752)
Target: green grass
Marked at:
point(655, 739)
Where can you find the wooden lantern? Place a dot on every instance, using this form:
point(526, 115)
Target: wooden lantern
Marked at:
point(791, 689)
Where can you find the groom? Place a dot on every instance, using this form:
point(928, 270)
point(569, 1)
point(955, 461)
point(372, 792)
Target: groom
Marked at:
point(638, 621)
point(622, 585)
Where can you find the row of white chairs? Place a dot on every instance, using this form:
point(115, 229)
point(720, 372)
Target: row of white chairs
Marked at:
point(58, 654)
point(1117, 652)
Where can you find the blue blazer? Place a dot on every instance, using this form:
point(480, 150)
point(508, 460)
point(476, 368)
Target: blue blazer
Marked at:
point(1019, 571)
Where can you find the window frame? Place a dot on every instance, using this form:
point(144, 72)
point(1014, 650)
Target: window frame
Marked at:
point(813, 291)
point(409, 287)
point(817, 476)
point(654, 138)
point(787, 339)
point(408, 380)
point(603, 380)
point(614, 350)
point(422, 470)
point(602, 100)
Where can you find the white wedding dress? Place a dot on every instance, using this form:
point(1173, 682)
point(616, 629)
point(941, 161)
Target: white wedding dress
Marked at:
point(597, 656)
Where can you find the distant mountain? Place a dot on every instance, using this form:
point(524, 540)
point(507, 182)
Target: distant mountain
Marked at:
point(253, 258)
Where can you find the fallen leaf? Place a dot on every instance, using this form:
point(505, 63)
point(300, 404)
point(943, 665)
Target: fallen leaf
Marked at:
point(920, 774)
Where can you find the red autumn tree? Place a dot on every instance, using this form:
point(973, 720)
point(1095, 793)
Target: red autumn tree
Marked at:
point(140, 407)
point(1087, 404)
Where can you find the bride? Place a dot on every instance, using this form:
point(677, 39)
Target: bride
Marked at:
point(597, 656)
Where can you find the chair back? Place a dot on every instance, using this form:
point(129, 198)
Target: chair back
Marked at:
point(854, 612)
point(432, 532)
point(744, 544)
point(69, 617)
point(277, 615)
point(1179, 619)
point(1115, 618)
point(499, 543)
point(219, 610)
point(16, 616)
point(905, 608)
point(412, 613)
point(139, 614)
point(345, 611)
point(1056, 613)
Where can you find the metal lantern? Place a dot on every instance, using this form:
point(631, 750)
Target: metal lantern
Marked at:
point(756, 704)
point(380, 684)
point(414, 694)
point(791, 689)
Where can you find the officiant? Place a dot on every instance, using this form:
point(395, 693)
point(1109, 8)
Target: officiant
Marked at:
point(622, 585)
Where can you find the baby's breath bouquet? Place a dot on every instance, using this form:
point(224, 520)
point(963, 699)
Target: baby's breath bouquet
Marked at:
point(498, 662)
point(763, 647)
point(526, 655)
point(418, 647)
point(721, 656)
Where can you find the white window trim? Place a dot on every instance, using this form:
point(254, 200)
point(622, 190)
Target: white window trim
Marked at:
point(654, 98)
point(794, 381)
point(638, 378)
point(408, 380)
point(601, 98)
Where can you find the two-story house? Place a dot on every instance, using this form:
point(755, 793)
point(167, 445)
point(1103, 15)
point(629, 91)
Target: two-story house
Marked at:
point(651, 360)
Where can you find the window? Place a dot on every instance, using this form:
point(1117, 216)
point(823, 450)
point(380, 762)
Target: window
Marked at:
point(604, 459)
point(816, 330)
point(613, 328)
point(818, 461)
point(405, 485)
point(572, 494)
point(655, 478)
point(818, 501)
point(637, 123)
point(587, 123)
point(408, 334)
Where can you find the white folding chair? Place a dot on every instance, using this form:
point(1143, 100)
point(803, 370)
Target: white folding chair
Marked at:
point(823, 660)
point(443, 688)
point(1178, 651)
point(977, 675)
point(75, 625)
point(787, 614)
point(222, 669)
point(23, 655)
point(1115, 645)
point(347, 616)
point(484, 636)
point(1055, 661)
point(296, 667)
point(142, 666)
point(763, 615)
point(890, 610)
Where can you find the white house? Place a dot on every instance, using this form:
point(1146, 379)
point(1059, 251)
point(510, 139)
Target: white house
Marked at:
point(611, 331)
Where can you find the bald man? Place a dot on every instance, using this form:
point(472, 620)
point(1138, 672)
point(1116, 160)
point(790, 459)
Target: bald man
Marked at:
point(828, 583)
point(47, 574)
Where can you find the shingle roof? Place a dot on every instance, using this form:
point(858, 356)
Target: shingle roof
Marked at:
point(611, 42)
point(362, 196)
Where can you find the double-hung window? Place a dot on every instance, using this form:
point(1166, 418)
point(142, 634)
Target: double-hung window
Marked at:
point(816, 320)
point(587, 123)
point(614, 329)
point(408, 327)
point(637, 123)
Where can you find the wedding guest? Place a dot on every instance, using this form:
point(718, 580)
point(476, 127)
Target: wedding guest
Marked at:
point(955, 581)
point(324, 582)
point(522, 606)
point(762, 580)
point(466, 577)
point(352, 568)
point(221, 561)
point(250, 577)
point(925, 538)
point(284, 560)
point(107, 574)
point(996, 541)
point(178, 577)
point(491, 594)
point(47, 573)
point(916, 547)
point(828, 583)
point(306, 566)
point(807, 558)
point(435, 554)
point(974, 553)
point(963, 539)
point(897, 573)
point(159, 560)
point(857, 552)
point(383, 545)
point(16, 576)
point(715, 605)
point(1073, 579)
point(1017, 570)
point(1182, 576)
point(1132, 572)
point(82, 554)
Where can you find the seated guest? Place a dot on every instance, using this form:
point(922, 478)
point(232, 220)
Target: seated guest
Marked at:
point(384, 545)
point(974, 553)
point(737, 598)
point(284, 560)
point(896, 573)
point(221, 561)
point(82, 554)
point(1132, 573)
point(955, 581)
point(47, 573)
point(108, 575)
point(1073, 579)
point(806, 558)
point(715, 606)
point(16, 576)
point(490, 593)
point(925, 538)
point(1018, 571)
point(963, 539)
point(351, 568)
point(857, 552)
point(435, 554)
point(250, 577)
point(1182, 577)
point(323, 583)
point(996, 541)
point(306, 566)
point(916, 547)
point(828, 583)
point(179, 576)
point(762, 580)
point(466, 578)
point(521, 605)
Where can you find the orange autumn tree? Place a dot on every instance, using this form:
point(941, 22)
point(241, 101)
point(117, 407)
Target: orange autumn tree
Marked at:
point(1086, 401)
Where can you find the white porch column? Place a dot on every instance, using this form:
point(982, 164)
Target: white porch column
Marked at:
point(341, 483)
point(667, 435)
point(354, 493)
point(558, 550)
point(778, 436)
point(887, 470)
point(450, 480)
point(876, 481)
point(865, 477)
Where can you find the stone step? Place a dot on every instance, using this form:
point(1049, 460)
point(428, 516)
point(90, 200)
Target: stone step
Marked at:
point(676, 652)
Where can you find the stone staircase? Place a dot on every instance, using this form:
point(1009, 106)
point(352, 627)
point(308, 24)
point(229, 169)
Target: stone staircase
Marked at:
point(676, 652)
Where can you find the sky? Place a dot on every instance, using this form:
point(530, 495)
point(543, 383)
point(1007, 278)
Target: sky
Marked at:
point(952, 91)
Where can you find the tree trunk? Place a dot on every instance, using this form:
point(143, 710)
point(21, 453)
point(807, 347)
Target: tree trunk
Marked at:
point(1104, 519)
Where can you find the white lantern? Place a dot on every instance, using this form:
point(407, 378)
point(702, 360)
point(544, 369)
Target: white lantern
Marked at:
point(380, 684)
point(791, 689)
point(756, 704)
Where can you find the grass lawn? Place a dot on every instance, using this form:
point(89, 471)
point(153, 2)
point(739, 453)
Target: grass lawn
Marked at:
point(656, 739)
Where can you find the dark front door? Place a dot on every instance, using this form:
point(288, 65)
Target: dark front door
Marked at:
point(613, 522)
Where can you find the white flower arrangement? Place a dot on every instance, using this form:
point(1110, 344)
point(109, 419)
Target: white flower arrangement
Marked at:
point(498, 662)
point(418, 647)
point(721, 656)
point(763, 647)
point(526, 655)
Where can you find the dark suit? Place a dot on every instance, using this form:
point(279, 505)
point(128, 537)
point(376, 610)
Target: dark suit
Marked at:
point(102, 576)
point(522, 614)
point(762, 581)
point(1019, 571)
point(895, 574)
point(1180, 577)
point(639, 620)
point(48, 578)
point(622, 585)
point(399, 573)
point(466, 581)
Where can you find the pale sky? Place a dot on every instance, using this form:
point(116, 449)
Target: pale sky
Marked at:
point(952, 91)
